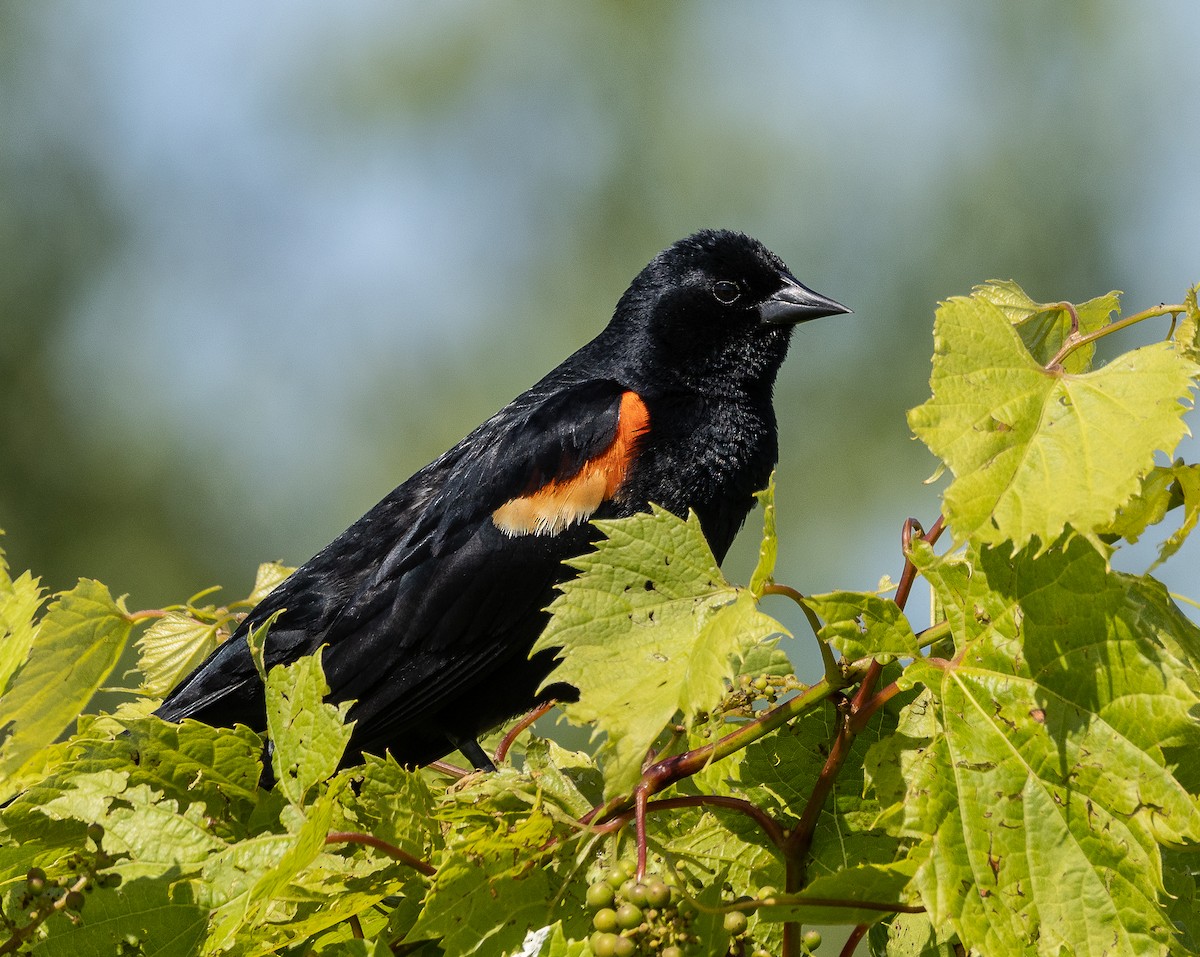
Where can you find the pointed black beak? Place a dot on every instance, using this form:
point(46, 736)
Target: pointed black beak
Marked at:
point(794, 303)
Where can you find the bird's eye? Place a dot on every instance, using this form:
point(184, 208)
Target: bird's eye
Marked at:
point(726, 291)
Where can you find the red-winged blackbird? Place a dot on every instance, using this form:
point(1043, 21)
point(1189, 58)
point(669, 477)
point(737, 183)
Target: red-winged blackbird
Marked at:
point(429, 604)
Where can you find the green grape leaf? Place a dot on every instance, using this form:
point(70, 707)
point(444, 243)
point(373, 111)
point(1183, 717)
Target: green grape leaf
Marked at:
point(243, 880)
point(155, 917)
point(557, 944)
point(1057, 728)
point(569, 777)
point(1148, 507)
point(650, 628)
point(1181, 872)
point(309, 736)
point(494, 885)
point(78, 643)
point(908, 935)
point(190, 761)
point(474, 913)
point(153, 830)
point(864, 625)
point(855, 894)
point(269, 576)
point(1044, 326)
point(1187, 330)
point(1188, 479)
point(1034, 450)
point(19, 602)
point(768, 549)
point(396, 804)
point(170, 649)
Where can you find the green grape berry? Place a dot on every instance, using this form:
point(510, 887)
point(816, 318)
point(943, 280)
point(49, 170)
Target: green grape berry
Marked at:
point(614, 878)
point(658, 894)
point(95, 833)
point(736, 923)
point(600, 894)
point(36, 879)
point(812, 939)
point(604, 944)
point(671, 951)
point(74, 901)
point(624, 947)
point(605, 920)
point(628, 916)
point(634, 892)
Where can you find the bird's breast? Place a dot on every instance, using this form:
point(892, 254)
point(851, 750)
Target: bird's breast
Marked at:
point(708, 455)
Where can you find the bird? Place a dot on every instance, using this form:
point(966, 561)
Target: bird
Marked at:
point(425, 610)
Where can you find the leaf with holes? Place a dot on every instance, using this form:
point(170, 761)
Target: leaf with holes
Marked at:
point(864, 625)
point(649, 630)
point(1066, 723)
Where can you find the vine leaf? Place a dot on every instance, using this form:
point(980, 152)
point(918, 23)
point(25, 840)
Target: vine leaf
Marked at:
point(1063, 723)
point(1034, 450)
point(1187, 478)
point(650, 628)
point(170, 648)
point(1044, 326)
point(20, 599)
point(308, 736)
point(864, 625)
point(78, 643)
point(155, 917)
point(768, 549)
point(1187, 332)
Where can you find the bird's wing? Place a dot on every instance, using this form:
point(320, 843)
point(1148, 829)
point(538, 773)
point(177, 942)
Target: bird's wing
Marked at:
point(422, 591)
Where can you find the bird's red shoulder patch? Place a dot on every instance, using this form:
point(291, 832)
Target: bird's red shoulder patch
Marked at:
point(562, 502)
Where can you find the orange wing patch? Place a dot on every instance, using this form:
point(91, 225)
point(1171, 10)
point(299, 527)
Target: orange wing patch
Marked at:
point(561, 503)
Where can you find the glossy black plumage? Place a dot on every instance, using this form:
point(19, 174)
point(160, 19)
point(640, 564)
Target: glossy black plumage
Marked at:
point(428, 605)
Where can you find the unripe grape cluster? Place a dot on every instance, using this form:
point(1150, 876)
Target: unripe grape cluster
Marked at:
point(749, 689)
point(44, 895)
point(632, 918)
point(654, 918)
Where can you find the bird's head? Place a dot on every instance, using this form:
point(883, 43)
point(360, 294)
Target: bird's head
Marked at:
point(719, 307)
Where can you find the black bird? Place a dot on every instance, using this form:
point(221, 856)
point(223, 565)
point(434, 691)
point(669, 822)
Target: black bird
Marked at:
point(429, 604)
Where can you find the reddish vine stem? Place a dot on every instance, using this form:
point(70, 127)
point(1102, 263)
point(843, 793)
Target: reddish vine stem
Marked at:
point(854, 715)
point(853, 940)
point(769, 825)
point(447, 768)
point(667, 771)
point(391, 850)
point(866, 702)
point(525, 722)
point(640, 799)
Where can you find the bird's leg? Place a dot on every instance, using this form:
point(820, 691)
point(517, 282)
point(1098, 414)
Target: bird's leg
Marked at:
point(472, 752)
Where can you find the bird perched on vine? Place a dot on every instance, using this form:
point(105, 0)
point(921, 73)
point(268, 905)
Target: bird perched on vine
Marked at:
point(427, 607)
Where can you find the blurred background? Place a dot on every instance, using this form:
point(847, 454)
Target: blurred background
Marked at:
point(258, 263)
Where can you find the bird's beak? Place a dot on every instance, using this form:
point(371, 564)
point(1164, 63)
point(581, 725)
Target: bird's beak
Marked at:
point(795, 303)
